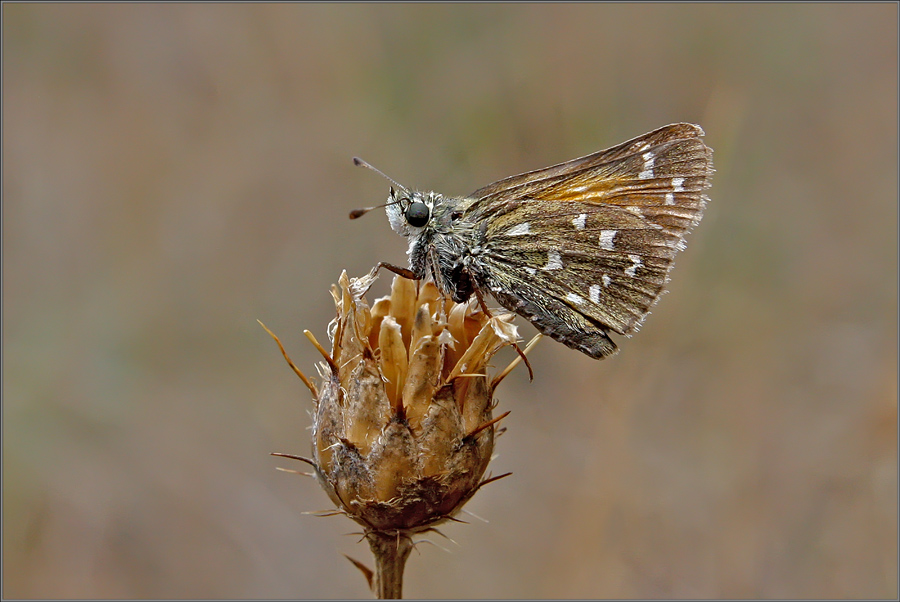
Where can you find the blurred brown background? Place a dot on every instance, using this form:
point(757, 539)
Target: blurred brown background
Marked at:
point(173, 173)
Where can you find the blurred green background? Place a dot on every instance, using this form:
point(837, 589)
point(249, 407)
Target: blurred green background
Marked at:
point(174, 173)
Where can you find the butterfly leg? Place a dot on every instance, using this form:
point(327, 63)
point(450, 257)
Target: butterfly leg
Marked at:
point(524, 359)
point(481, 302)
point(404, 272)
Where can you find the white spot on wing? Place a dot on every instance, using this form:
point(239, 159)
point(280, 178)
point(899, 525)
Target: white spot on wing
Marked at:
point(606, 239)
point(519, 229)
point(576, 299)
point(647, 172)
point(606, 280)
point(677, 184)
point(636, 261)
point(554, 261)
point(594, 291)
point(580, 221)
point(670, 198)
point(531, 270)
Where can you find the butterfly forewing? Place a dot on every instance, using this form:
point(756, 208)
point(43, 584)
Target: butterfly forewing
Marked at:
point(610, 164)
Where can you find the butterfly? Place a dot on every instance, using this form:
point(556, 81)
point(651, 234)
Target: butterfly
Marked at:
point(582, 249)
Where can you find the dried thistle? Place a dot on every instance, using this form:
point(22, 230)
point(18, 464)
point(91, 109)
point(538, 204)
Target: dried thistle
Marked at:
point(403, 429)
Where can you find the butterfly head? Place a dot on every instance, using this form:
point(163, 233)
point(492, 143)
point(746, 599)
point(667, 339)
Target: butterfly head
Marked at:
point(408, 211)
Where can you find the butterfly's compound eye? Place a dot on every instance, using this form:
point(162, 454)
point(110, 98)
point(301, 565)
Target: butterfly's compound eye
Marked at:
point(417, 214)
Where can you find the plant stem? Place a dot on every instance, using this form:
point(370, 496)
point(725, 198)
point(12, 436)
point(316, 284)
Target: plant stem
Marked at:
point(391, 552)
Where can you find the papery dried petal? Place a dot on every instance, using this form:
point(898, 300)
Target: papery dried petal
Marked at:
point(422, 379)
point(403, 305)
point(488, 341)
point(379, 311)
point(422, 326)
point(394, 360)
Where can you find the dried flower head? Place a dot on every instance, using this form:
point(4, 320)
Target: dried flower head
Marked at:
point(403, 427)
point(402, 431)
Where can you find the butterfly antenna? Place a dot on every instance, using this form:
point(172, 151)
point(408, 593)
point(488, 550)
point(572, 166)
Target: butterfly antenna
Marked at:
point(356, 213)
point(361, 163)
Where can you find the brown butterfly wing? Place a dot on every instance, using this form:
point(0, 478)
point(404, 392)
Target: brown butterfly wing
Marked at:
point(585, 247)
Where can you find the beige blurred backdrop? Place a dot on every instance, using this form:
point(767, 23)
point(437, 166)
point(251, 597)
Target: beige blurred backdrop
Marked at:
point(172, 173)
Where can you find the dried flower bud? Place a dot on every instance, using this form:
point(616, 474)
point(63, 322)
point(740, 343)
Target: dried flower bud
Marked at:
point(402, 432)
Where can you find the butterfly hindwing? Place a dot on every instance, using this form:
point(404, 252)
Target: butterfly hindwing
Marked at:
point(553, 317)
